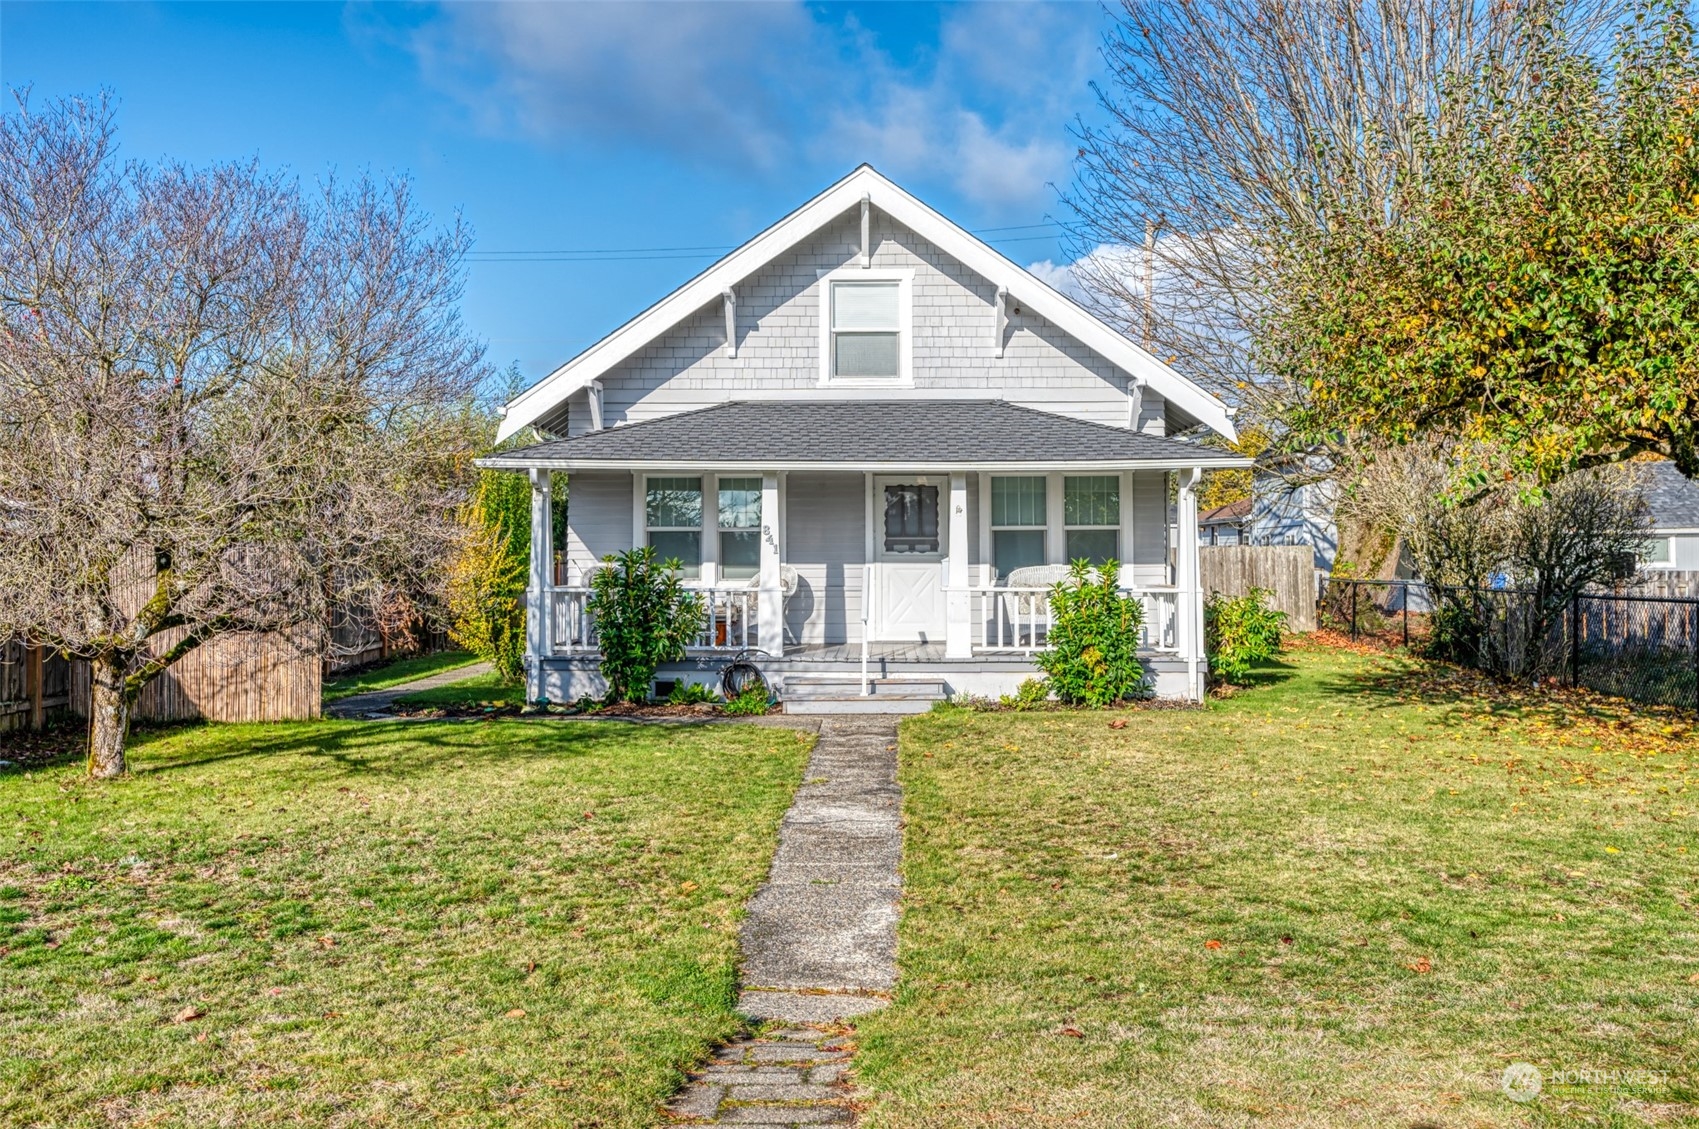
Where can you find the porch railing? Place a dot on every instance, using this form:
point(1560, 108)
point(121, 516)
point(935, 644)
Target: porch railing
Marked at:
point(1019, 620)
point(729, 620)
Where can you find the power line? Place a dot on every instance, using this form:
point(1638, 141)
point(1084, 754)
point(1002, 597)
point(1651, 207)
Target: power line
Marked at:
point(638, 254)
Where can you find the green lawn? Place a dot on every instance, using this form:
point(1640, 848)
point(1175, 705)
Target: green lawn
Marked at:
point(395, 673)
point(507, 923)
point(1350, 897)
point(479, 690)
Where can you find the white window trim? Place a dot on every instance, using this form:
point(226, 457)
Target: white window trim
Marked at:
point(905, 326)
point(1120, 511)
point(992, 528)
point(709, 530)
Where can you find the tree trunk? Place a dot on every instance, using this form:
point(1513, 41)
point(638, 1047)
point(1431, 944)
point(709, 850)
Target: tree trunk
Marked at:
point(108, 717)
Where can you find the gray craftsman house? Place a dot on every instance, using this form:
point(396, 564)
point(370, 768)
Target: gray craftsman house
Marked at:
point(873, 442)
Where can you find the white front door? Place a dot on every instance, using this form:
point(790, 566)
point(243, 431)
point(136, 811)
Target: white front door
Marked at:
point(910, 540)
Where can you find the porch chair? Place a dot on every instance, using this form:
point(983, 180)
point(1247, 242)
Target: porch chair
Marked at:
point(789, 581)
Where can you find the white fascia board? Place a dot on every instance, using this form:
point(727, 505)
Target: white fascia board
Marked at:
point(754, 466)
point(550, 392)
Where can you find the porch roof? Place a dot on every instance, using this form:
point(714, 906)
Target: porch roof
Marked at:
point(859, 435)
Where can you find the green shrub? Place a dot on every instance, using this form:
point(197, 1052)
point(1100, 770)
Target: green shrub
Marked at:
point(1240, 632)
point(689, 694)
point(1094, 638)
point(753, 702)
point(1029, 695)
point(644, 617)
point(487, 578)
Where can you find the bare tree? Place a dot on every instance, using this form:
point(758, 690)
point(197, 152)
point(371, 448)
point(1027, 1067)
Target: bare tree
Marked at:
point(226, 403)
point(1236, 125)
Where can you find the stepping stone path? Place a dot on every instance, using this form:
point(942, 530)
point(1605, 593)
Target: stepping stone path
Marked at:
point(819, 942)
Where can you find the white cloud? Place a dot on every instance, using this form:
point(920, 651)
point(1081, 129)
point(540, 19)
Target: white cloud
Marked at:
point(760, 86)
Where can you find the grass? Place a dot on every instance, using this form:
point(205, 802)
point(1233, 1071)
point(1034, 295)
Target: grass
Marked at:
point(504, 923)
point(1349, 897)
point(479, 690)
point(396, 673)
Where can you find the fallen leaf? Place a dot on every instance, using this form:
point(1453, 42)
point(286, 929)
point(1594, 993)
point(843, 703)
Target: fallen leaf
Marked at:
point(1694, 979)
point(328, 942)
point(1285, 940)
point(188, 1013)
point(589, 815)
point(1071, 1031)
point(687, 887)
point(1118, 723)
point(1420, 965)
point(201, 1038)
point(333, 1015)
point(274, 991)
point(516, 1013)
point(1212, 944)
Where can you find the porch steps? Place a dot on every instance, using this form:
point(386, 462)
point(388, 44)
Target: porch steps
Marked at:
point(841, 693)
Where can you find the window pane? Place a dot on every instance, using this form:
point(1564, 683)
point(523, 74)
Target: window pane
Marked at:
point(1095, 545)
point(911, 519)
point(864, 305)
point(1657, 551)
point(682, 546)
point(1017, 501)
point(1094, 500)
point(675, 502)
point(866, 354)
point(1016, 548)
point(740, 503)
point(740, 553)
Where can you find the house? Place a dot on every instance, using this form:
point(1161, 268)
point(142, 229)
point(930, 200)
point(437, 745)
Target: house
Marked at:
point(1285, 511)
point(871, 440)
point(1226, 524)
point(1672, 500)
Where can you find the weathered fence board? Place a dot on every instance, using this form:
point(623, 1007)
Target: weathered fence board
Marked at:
point(238, 677)
point(1287, 571)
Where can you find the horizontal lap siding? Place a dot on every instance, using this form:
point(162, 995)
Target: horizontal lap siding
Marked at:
point(1150, 528)
point(598, 518)
point(825, 542)
point(954, 348)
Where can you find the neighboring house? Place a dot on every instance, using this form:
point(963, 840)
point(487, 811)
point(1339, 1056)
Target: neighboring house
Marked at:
point(870, 438)
point(1287, 513)
point(1673, 500)
point(1226, 525)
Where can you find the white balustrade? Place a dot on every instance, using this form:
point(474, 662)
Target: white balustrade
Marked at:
point(1019, 620)
point(729, 620)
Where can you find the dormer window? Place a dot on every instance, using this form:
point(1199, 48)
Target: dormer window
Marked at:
point(865, 327)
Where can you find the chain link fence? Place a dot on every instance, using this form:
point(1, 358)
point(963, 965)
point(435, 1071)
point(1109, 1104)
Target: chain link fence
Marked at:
point(1633, 646)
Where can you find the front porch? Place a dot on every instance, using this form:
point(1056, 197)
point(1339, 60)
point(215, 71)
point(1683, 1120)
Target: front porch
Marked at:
point(913, 539)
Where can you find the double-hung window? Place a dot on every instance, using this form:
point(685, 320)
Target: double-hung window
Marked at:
point(864, 322)
point(739, 510)
point(1018, 521)
point(673, 519)
point(1091, 517)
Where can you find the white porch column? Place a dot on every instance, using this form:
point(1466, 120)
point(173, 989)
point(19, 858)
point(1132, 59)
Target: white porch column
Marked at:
point(1190, 627)
point(958, 622)
point(771, 623)
point(539, 642)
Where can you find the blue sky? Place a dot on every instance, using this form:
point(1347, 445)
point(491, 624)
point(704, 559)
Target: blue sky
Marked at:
point(574, 127)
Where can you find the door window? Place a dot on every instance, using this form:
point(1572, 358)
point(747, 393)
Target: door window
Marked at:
point(911, 519)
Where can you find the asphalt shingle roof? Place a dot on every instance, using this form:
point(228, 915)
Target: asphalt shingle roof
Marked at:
point(923, 432)
point(1672, 497)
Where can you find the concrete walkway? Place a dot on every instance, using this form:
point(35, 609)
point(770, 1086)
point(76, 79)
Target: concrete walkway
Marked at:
point(820, 940)
point(358, 706)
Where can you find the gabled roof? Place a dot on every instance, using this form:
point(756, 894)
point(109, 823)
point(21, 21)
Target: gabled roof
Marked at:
point(1671, 496)
point(547, 394)
point(862, 435)
point(1233, 511)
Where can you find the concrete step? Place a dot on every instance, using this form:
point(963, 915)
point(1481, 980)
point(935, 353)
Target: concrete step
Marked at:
point(840, 694)
point(849, 686)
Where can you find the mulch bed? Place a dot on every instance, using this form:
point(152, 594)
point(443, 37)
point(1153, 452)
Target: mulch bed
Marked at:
point(632, 711)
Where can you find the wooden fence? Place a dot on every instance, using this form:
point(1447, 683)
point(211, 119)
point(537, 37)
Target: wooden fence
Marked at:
point(35, 687)
point(238, 677)
point(1287, 571)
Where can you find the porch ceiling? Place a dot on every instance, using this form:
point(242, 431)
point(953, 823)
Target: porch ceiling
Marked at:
point(865, 435)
